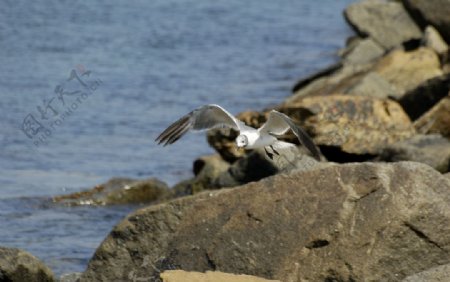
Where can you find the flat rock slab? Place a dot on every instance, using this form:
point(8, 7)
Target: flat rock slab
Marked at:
point(387, 23)
point(209, 276)
point(119, 191)
point(353, 222)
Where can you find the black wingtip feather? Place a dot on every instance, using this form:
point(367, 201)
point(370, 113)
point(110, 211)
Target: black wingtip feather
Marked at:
point(167, 136)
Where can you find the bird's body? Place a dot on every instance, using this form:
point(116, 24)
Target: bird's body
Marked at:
point(214, 116)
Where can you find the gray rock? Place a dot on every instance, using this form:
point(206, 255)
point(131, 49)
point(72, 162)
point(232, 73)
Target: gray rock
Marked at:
point(387, 23)
point(433, 150)
point(18, 265)
point(70, 277)
point(373, 85)
point(258, 165)
point(435, 13)
point(353, 222)
point(432, 39)
point(436, 274)
point(206, 169)
point(364, 51)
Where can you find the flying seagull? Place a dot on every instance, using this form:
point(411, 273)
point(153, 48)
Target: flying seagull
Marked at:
point(214, 116)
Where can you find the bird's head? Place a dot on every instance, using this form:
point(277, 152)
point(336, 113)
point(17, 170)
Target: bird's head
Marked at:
point(241, 141)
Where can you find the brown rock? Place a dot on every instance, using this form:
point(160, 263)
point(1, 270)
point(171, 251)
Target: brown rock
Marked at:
point(119, 191)
point(209, 276)
point(407, 70)
point(356, 125)
point(18, 265)
point(386, 22)
point(436, 120)
point(354, 222)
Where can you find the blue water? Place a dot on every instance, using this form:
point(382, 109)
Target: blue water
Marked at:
point(152, 61)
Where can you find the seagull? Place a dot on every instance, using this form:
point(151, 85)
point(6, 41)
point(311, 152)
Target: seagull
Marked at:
point(214, 116)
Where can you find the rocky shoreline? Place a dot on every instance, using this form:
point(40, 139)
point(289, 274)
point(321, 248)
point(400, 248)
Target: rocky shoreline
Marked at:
point(376, 208)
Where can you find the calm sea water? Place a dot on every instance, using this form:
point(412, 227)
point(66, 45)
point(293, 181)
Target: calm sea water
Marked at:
point(153, 61)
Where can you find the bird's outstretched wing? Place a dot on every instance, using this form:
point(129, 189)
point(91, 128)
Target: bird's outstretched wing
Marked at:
point(279, 123)
point(202, 118)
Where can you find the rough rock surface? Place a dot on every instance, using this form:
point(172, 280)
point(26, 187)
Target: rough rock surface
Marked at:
point(18, 265)
point(373, 85)
point(356, 125)
point(209, 276)
point(119, 191)
point(433, 150)
point(387, 23)
point(433, 12)
point(436, 120)
point(436, 274)
point(364, 51)
point(407, 70)
point(353, 222)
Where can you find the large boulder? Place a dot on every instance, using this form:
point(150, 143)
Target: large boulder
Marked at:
point(353, 222)
point(431, 12)
point(354, 124)
point(387, 23)
point(436, 120)
point(18, 265)
point(119, 191)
